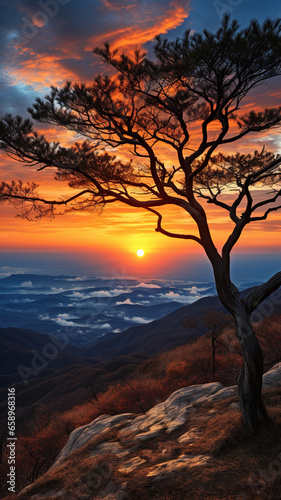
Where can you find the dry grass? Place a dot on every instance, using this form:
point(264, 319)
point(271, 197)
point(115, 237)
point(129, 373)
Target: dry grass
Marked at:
point(244, 466)
point(80, 476)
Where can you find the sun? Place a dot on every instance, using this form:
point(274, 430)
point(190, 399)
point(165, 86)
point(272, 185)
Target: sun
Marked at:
point(140, 252)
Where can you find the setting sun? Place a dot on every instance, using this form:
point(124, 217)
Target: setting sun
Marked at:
point(140, 253)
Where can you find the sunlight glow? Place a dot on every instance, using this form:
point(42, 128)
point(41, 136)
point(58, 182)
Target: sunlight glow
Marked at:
point(140, 253)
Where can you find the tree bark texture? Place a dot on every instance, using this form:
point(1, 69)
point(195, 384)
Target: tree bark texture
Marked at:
point(214, 358)
point(250, 381)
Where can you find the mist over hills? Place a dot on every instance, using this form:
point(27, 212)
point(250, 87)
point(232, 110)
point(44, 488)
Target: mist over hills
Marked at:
point(43, 366)
point(88, 308)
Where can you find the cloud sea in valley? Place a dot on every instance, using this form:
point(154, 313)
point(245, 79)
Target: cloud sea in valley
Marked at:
point(89, 307)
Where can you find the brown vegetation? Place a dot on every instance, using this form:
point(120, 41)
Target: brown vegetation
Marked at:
point(153, 381)
point(244, 466)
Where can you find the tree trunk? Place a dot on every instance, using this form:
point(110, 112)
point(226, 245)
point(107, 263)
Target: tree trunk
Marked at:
point(214, 357)
point(35, 470)
point(250, 381)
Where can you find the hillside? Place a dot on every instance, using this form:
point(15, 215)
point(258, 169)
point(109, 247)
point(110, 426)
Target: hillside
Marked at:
point(168, 332)
point(19, 347)
point(41, 380)
point(49, 371)
point(155, 337)
point(50, 407)
point(106, 361)
point(193, 445)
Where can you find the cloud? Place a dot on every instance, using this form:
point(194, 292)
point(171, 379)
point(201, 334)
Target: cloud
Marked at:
point(175, 296)
point(65, 320)
point(118, 4)
point(22, 301)
point(100, 293)
point(42, 49)
point(195, 289)
point(44, 317)
point(27, 284)
point(147, 285)
point(78, 295)
point(77, 278)
point(67, 316)
point(51, 291)
point(6, 271)
point(106, 293)
point(184, 299)
point(135, 24)
point(15, 99)
point(137, 319)
point(127, 301)
point(104, 326)
point(37, 72)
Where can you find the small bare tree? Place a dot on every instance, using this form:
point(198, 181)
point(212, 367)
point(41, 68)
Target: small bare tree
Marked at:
point(268, 334)
point(198, 81)
point(91, 391)
point(213, 323)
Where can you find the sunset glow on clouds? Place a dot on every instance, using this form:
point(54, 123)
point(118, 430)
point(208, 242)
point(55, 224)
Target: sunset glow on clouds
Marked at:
point(44, 53)
point(40, 50)
point(143, 21)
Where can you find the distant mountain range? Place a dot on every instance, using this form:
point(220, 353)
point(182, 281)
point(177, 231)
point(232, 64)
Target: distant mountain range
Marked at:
point(88, 308)
point(155, 337)
point(47, 368)
point(25, 357)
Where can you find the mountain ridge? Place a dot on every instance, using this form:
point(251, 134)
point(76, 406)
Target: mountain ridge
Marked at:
point(116, 351)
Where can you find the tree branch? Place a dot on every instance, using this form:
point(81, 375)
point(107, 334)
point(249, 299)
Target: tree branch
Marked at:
point(159, 229)
point(264, 216)
point(33, 199)
point(213, 199)
point(254, 298)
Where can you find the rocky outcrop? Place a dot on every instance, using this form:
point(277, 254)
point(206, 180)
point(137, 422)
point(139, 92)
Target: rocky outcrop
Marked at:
point(272, 378)
point(99, 458)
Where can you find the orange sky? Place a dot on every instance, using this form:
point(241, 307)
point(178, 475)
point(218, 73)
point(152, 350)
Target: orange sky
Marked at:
point(119, 231)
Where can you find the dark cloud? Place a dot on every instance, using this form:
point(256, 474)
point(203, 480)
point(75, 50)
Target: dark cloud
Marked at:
point(15, 99)
point(49, 41)
point(207, 14)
